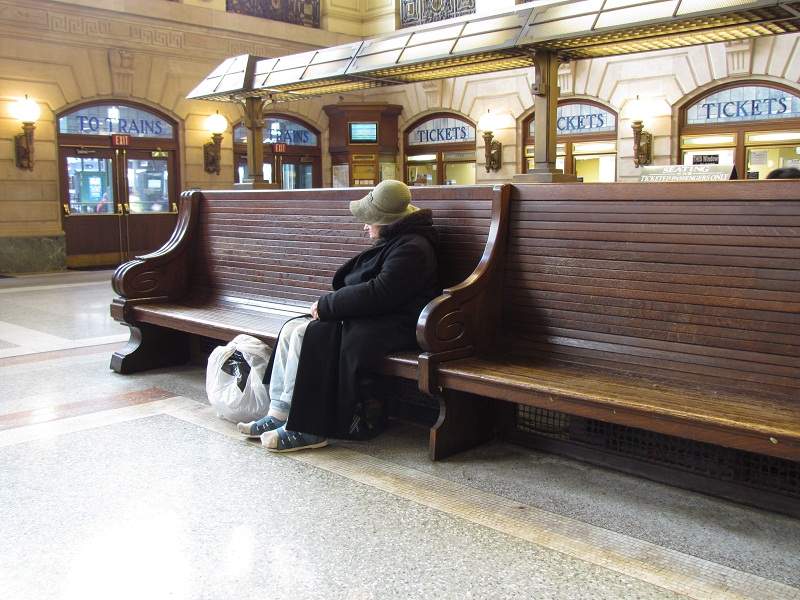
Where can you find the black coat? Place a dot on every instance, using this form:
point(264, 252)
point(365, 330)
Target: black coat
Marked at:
point(373, 310)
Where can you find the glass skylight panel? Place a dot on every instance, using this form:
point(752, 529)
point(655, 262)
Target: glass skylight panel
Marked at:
point(376, 61)
point(699, 6)
point(283, 77)
point(636, 14)
point(512, 22)
point(427, 51)
point(383, 44)
point(292, 61)
point(612, 4)
point(555, 29)
point(568, 10)
point(329, 69)
point(436, 35)
point(485, 41)
point(337, 53)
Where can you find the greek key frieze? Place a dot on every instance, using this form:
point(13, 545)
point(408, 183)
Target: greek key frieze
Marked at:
point(78, 25)
point(156, 37)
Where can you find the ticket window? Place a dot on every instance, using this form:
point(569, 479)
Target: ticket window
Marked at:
point(243, 171)
point(768, 150)
point(422, 169)
point(459, 168)
point(561, 156)
point(715, 149)
point(595, 162)
point(440, 150)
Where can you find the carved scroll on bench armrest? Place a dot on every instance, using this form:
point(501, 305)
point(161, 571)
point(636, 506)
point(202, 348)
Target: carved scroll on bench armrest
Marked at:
point(163, 274)
point(464, 317)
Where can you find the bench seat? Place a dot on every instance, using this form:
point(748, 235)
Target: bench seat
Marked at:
point(247, 261)
point(224, 319)
point(771, 425)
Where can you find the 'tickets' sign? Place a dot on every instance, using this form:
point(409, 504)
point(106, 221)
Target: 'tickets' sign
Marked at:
point(443, 130)
point(743, 103)
point(576, 118)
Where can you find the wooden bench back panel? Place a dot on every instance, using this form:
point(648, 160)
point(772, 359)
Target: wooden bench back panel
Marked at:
point(284, 246)
point(674, 280)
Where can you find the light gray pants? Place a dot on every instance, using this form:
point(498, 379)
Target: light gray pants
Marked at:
point(284, 369)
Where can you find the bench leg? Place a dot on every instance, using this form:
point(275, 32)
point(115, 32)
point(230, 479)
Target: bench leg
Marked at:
point(150, 347)
point(465, 421)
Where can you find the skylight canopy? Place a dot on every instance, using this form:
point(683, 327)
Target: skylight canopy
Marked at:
point(488, 43)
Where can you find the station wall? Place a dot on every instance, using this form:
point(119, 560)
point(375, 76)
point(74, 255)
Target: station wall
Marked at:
point(154, 52)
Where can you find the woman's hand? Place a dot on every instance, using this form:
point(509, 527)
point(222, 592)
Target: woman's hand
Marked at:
point(314, 313)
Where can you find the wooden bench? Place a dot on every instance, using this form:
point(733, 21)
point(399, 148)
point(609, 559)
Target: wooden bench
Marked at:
point(246, 261)
point(673, 308)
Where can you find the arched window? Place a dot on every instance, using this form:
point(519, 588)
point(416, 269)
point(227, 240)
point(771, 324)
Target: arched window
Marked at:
point(292, 154)
point(440, 150)
point(586, 143)
point(119, 180)
point(752, 125)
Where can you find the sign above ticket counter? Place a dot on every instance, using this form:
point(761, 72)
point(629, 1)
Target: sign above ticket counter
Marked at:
point(576, 118)
point(744, 103)
point(441, 130)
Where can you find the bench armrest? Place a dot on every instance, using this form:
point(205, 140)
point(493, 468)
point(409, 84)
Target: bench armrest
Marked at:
point(163, 274)
point(463, 318)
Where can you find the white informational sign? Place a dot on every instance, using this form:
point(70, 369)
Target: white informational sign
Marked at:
point(341, 176)
point(758, 157)
point(667, 173)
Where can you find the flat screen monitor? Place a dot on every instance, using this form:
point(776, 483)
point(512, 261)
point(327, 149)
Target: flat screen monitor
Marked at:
point(363, 133)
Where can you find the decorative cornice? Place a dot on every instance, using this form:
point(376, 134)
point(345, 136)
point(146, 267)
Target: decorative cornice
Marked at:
point(89, 26)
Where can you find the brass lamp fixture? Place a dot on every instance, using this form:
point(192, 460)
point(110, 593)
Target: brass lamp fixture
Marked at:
point(27, 111)
point(642, 142)
point(216, 125)
point(493, 148)
point(642, 145)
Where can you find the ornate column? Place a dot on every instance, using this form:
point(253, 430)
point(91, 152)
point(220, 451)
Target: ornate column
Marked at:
point(545, 93)
point(254, 122)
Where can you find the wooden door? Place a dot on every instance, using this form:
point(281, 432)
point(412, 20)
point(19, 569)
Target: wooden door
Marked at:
point(151, 199)
point(92, 202)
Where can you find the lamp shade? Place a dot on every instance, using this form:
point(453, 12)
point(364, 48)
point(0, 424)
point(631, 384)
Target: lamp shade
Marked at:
point(488, 121)
point(216, 123)
point(26, 110)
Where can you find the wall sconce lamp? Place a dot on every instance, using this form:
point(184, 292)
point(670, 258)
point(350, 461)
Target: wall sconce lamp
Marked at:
point(642, 142)
point(27, 111)
point(216, 125)
point(493, 148)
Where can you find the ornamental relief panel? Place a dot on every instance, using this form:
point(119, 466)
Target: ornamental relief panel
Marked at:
point(418, 12)
point(297, 12)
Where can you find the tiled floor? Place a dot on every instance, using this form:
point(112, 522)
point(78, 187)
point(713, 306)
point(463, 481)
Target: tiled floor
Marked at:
point(129, 487)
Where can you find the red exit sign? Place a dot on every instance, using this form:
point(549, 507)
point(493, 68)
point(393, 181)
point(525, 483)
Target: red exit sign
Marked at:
point(279, 147)
point(120, 140)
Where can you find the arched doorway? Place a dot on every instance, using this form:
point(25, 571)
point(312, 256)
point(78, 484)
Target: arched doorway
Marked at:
point(586, 143)
point(752, 125)
point(292, 155)
point(439, 149)
point(119, 181)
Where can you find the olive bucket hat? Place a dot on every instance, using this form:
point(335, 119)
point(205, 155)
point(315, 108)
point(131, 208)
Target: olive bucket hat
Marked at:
point(388, 202)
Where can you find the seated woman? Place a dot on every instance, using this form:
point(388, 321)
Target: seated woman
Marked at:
point(378, 295)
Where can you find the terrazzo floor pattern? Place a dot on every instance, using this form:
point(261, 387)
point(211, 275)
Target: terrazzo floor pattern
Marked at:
point(106, 493)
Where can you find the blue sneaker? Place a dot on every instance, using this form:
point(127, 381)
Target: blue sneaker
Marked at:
point(281, 440)
point(254, 429)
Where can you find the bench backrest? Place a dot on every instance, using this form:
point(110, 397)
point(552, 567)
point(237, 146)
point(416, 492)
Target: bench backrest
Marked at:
point(283, 246)
point(693, 282)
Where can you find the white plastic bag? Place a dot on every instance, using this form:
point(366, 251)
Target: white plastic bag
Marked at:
point(236, 394)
